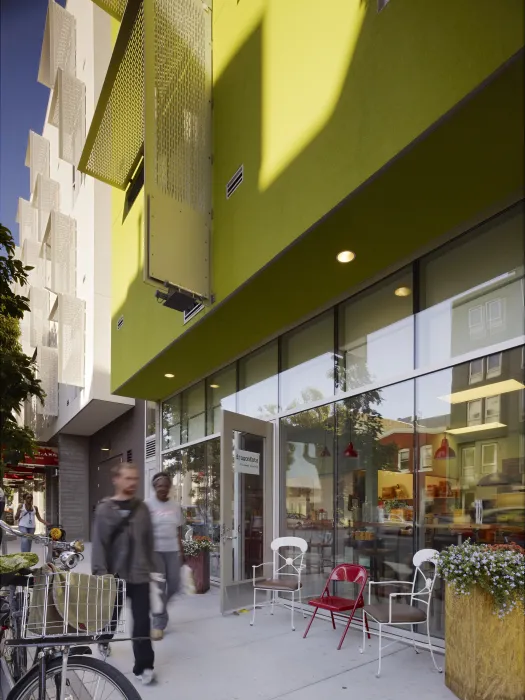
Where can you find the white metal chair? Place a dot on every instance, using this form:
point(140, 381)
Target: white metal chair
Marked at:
point(286, 576)
point(391, 613)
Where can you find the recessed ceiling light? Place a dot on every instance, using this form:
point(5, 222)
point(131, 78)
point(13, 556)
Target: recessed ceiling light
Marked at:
point(214, 386)
point(104, 449)
point(403, 292)
point(346, 256)
point(169, 376)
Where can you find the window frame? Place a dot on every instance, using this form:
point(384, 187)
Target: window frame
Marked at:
point(476, 377)
point(495, 372)
point(494, 464)
point(400, 460)
point(472, 450)
point(470, 421)
point(497, 416)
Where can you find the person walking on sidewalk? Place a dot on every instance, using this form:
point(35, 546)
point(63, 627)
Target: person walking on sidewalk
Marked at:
point(123, 546)
point(25, 516)
point(166, 516)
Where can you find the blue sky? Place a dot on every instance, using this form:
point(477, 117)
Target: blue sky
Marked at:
point(23, 101)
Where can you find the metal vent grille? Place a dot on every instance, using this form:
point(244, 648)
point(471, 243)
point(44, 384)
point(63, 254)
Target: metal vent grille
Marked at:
point(39, 317)
point(182, 102)
point(113, 7)
point(120, 322)
point(46, 199)
point(27, 220)
point(60, 250)
point(151, 449)
point(235, 182)
point(188, 315)
point(59, 45)
point(47, 361)
point(115, 148)
point(71, 328)
point(31, 256)
point(37, 158)
point(129, 456)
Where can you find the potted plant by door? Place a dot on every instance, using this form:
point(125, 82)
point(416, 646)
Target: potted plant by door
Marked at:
point(197, 557)
point(484, 620)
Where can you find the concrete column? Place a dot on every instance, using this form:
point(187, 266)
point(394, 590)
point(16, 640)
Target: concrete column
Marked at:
point(73, 487)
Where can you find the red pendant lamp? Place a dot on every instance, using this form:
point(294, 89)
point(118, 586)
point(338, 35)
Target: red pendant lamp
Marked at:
point(444, 451)
point(350, 451)
point(325, 452)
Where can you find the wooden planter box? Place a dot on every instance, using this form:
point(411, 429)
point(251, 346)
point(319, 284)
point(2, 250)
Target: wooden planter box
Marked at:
point(485, 656)
point(200, 565)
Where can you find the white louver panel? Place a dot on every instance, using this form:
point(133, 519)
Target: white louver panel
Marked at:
point(31, 256)
point(37, 157)
point(59, 45)
point(151, 443)
point(46, 199)
point(68, 114)
point(47, 361)
point(26, 218)
point(71, 325)
point(39, 318)
point(60, 247)
point(25, 331)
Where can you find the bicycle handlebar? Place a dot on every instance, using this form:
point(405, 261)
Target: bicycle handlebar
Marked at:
point(75, 546)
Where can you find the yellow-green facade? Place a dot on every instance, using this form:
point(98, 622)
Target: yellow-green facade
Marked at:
point(376, 132)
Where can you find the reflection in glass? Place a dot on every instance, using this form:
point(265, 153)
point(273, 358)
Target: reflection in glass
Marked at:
point(195, 473)
point(376, 334)
point(375, 482)
point(151, 428)
point(220, 392)
point(258, 392)
point(308, 489)
point(307, 357)
point(193, 413)
point(472, 293)
point(171, 422)
point(472, 483)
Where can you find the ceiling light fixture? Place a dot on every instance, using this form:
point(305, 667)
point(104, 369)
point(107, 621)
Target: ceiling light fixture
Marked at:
point(444, 451)
point(482, 392)
point(214, 386)
point(104, 449)
point(403, 292)
point(475, 428)
point(350, 451)
point(346, 256)
point(169, 375)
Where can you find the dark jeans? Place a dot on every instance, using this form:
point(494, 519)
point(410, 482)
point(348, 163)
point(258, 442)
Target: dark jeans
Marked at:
point(138, 593)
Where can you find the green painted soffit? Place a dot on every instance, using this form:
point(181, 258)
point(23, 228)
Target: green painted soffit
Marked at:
point(469, 162)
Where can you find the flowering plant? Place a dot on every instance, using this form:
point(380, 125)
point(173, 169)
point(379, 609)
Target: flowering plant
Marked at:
point(499, 570)
point(195, 546)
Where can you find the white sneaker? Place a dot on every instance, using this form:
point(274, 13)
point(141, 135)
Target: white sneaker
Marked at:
point(147, 676)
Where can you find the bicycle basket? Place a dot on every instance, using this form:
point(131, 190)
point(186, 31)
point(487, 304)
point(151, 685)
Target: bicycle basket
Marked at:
point(68, 603)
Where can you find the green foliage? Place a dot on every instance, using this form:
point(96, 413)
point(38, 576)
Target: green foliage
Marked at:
point(18, 380)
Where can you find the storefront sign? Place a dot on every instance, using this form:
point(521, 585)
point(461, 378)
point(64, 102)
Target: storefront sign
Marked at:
point(246, 462)
point(44, 456)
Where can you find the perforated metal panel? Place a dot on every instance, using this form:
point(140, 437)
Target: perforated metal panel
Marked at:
point(46, 199)
point(114, 7)
point(59, 45)
point(47, 362)
point(178, 142)
point(116, 135)
point(61, 251)
point(31, 256)
point(69, 112)
point(39, 317)
point(27, 220)
point(37, 157)
point(25, 331)
point(71, 343)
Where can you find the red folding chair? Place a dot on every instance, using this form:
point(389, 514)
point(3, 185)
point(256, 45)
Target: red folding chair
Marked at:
point(350, 573)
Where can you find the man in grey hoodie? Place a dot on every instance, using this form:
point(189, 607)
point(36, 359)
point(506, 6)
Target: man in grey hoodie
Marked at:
point(123, 546)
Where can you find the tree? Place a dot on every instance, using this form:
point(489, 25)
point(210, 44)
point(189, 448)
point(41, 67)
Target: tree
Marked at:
point(18, 381)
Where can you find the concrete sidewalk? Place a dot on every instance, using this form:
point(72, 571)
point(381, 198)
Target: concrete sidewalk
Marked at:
point(206, 655)
point(223, 658)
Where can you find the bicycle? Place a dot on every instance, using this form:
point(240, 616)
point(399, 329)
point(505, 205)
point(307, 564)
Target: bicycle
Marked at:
point(62, 614)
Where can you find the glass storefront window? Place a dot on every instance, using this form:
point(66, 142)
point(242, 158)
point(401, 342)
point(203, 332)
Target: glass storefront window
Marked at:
point(473, 482)
point(171, 422)
point(307, 492)
point(151, 427)
point(472, 293)
point(258, 383)
point(307, 358)
point(220, 392)
point(193, 413)
point(376, 334)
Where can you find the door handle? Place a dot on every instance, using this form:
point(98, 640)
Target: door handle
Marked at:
point(230, 537)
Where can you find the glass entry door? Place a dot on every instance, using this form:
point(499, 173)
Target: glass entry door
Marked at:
point(246, 505)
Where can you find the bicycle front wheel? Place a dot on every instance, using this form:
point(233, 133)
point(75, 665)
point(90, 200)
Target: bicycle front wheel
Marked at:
point(86, 678)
